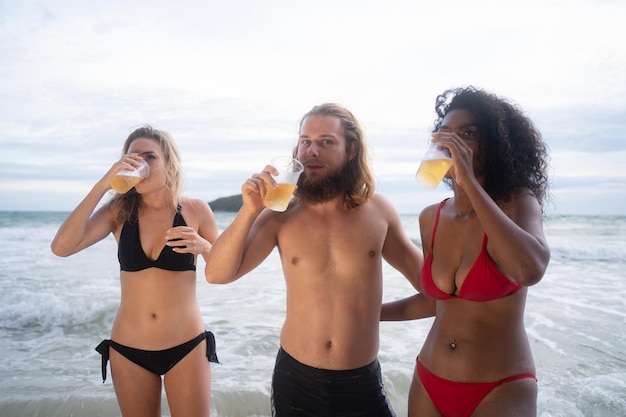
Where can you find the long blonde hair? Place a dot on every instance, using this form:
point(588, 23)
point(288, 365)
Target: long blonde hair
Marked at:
point(128, 203)
point(362, 189)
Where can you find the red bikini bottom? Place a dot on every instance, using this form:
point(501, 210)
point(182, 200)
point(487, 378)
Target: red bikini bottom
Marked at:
point(458, 399)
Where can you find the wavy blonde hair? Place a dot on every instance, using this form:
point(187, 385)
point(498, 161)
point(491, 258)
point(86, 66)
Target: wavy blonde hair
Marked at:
point(128, 203)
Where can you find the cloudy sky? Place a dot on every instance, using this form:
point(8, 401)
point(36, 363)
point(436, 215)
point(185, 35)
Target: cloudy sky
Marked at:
point(231, 79)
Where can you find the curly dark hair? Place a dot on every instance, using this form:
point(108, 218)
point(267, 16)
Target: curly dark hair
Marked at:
point(517, 156)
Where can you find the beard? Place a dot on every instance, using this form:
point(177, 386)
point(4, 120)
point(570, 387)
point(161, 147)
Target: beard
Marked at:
point(311, 190)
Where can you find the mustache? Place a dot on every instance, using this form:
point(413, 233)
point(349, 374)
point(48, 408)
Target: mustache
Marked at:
point(313, 161)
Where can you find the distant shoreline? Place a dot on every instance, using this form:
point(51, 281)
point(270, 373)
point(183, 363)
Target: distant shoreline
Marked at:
point(233, 203)
point(230, 204)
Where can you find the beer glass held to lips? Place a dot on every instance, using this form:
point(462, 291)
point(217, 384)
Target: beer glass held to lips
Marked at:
point(435, 164)
point(126, 179)
point(289, 171)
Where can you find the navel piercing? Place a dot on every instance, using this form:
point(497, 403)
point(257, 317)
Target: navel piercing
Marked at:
point(453, 344)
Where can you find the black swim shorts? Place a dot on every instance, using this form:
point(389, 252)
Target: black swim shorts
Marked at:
point(299, 390)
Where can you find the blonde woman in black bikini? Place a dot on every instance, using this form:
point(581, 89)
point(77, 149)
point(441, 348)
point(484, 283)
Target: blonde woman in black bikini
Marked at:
point(159, 329)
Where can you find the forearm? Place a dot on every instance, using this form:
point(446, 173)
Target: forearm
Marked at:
point(71, 235)
point(417, 306)
point(224, 259)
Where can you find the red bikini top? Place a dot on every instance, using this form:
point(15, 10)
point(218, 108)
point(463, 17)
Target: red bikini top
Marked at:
point(484, 281)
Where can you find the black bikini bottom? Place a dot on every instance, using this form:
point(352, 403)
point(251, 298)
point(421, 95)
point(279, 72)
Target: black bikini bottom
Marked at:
point(157, 361)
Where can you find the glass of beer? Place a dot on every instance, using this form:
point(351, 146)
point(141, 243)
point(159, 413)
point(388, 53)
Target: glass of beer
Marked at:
point(289, 171)
point(435, 164)
point(126, 179)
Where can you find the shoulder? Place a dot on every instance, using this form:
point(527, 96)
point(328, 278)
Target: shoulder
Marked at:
point(111, 214)
point(427, 217)
point(383, 208)
point(429, 211)
point(524, 196)
point(523, 204)
point(193, 208)
point(381, 202)
point(194, 205)
point(198, 215)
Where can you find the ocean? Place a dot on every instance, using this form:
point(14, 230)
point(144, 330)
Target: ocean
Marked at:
point(54, 311)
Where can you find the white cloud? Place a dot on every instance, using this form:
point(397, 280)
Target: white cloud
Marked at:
point(230, 81)
point(589, 166)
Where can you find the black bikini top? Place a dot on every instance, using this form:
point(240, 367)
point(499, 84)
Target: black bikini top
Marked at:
point(132, 257)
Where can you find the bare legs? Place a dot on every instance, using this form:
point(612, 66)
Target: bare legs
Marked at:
point(187, 386)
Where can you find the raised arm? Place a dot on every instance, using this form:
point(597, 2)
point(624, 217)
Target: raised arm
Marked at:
point(81, 229)
point(249, 239)
point(515, 230)
point(516, 243)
